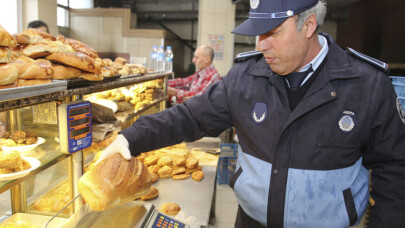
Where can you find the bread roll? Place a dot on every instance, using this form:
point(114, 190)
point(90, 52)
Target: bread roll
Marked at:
point(151, 160)
point(179, 171)
point(76, 59)
point(153, 193)
point(6, 39)
point(154, 168)
point(8, 74)
point(114, 181)
point(197, 175)
point(119, 62)
point(65, 72)
point(181, 176)
point(155, 177)
point(165, 160)
point(5, 55)
point(46, 47)
point(192, 163)
point(23, 58)
point(170, 209)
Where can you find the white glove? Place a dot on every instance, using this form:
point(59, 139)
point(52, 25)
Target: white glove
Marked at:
point(119, 146)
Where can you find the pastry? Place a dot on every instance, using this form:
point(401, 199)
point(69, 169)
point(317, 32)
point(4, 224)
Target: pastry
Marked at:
point(151, 160)
point(192, 163)
point(153, 193)
point(181, 176)
point(180, 170)
point(171, 209)
point(165, 160)
point(76, 59)
point(197, 175)
point(6, 39)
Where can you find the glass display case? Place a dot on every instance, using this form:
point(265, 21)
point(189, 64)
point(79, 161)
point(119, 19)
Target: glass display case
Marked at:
point(49, 185)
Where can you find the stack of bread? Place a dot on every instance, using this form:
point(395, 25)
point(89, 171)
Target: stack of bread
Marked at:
point(130, 99)
point(32, 57)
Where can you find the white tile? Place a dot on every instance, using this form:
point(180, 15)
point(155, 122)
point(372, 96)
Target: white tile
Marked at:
point(225, 212)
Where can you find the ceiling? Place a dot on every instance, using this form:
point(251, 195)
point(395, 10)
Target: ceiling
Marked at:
point(164, 10)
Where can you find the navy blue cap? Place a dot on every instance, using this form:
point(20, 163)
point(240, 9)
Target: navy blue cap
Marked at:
point(265, 15)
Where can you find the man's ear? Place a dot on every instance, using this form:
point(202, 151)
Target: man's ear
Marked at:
point(310, 26)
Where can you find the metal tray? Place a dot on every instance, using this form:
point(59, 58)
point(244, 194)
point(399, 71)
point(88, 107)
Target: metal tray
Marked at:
point(79, 82)
point(128, 215)
point(37, 220)
point(30, 91)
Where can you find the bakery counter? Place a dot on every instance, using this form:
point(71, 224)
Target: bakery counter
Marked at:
point(194, 198)
point(35, 94)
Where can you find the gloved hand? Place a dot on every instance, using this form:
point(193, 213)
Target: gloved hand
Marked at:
point(119, 146)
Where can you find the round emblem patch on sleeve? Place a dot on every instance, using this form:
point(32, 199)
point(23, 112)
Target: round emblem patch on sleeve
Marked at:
point(401, 110)
point(259, 112)
point(347, 121)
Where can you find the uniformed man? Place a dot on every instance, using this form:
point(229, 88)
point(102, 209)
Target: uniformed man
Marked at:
point(312, 120)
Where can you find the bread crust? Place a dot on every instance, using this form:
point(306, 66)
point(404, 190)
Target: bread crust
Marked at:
point(5, 55)
point(76, 59)
point(65, 72)
point(6, 39)
point(45, 48)
point(8, 75)
point(32, 82)
point(114, 181)
point(31, 36)
point(39, 69)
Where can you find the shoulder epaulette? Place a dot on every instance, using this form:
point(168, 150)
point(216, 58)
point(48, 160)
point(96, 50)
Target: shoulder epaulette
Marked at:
point(380, 64)
point(246, 55)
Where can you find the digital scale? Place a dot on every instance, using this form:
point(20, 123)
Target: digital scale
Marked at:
point(74, 126)
point(159, 220)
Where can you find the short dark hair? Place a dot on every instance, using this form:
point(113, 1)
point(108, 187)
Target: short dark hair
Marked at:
point(37, 24)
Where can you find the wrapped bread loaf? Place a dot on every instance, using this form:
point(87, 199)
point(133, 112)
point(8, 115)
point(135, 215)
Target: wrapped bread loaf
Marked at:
point(114, 181)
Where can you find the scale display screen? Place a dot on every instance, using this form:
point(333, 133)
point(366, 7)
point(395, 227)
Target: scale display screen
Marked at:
point(79, 126)
point(163, 221)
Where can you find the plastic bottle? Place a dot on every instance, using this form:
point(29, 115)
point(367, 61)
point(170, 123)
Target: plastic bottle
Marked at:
point(160, 62)
point(153, 58)
point(169, 59)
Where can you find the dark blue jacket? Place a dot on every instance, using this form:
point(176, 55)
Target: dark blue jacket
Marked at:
point(309, 167)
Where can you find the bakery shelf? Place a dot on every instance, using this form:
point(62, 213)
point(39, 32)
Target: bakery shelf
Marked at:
point(137, 113)
point(38, 96)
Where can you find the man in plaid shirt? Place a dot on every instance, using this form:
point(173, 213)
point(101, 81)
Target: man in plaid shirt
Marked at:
point(196, 84)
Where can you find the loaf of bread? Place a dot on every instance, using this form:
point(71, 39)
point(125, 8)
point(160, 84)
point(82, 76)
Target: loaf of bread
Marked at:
point(6, 39)
point(5, 55)
point(76, 59)
point(39, 69)
point(65, 72)
point(8, 74)
point(108, 71)
point(114, 181)
point(81, 47)
point(46, 47)
point(31, 36)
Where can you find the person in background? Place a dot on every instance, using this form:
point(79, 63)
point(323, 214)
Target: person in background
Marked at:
point(40, 25)
point(314, 122)
point(196, 84)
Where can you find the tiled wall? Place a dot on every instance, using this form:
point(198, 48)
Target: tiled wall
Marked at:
point(105, 34)
point(217, 17)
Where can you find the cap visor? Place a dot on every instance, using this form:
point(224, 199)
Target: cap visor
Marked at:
point(255, 27)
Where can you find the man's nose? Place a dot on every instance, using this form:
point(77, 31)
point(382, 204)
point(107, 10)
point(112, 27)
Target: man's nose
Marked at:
point(260, 46)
